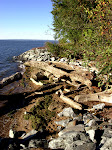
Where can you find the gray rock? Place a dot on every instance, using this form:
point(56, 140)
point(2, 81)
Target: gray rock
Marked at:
point(45, 58)
point(30, 134)
point(52, 58)
point(42, 54)
point(68, 112)
point(84, 137)
point(88, 116)
point(87, 128)
point(31, 57)
point(79, 142)
point(77, 128)
point(107, 144)
point(74, 145)
point(106, 140)
point(34, 55)
point(22, 147)
point(107, 133)
point(70, 141)
point(78, 118)
point(59, 128)
point(86, 146)
point(48, 58)
point(61, 142)
point(63, 60)
point(47, 53)
point(82, 146)
point(103, 140)
point(39, 59)
point(99, 106)
point(58, 143)
point(11, 133)
point(62, 122)
point(91, 123)
point(36, 143)
point(91, 134)
point(71, 124)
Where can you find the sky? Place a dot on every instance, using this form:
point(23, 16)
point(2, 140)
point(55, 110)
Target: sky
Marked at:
point(26, 19)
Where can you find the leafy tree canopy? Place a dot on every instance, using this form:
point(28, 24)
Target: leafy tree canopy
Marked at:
point(87, 25)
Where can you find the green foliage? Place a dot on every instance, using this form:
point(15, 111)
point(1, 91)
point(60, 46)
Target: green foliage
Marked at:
point(87, 25)
point(69, 19)
point(39, 114)
point(27, 116)
point(54, 48)
point(64, 49)
point(10, 114)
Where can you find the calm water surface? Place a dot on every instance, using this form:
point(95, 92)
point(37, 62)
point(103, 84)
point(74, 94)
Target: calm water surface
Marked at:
point(10, 48)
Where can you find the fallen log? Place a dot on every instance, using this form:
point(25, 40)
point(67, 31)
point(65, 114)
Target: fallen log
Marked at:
point(58, 73)
point(10, 79)
point(105, 96)
point(36, 83)
point(69, 101)
point(40, 90)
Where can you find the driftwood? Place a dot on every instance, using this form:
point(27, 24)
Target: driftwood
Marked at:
point(105, 96)
point(36, 83)
point(44, 89)
point(10, 79)
point(69, 101)
point(59, 73)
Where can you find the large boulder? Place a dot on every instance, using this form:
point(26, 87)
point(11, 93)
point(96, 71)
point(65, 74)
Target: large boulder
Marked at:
point(72, 141)
point(68, 112)
point(36, 143)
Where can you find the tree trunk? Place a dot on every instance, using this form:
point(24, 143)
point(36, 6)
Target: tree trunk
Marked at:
point(105, 96)
point(69, 101)
point(59, 73)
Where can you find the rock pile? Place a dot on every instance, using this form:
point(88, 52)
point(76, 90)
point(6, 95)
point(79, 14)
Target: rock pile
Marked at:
point(83, 131)
point(35, 55)
point(42, 54)
point(76, 132)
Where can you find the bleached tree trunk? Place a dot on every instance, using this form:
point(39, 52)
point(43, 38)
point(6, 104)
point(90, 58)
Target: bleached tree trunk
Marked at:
point(58, 73)
point(105, 96)
point(69, 101)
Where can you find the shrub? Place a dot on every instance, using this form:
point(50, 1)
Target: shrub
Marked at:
point(40, 115)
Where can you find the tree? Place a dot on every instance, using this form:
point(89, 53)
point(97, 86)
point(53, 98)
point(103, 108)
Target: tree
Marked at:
point(69, 19)
point(87, 25)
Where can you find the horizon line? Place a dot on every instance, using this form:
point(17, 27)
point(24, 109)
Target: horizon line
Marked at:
point(31, 39)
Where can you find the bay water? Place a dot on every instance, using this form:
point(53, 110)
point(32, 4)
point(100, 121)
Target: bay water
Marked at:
point(10, 48)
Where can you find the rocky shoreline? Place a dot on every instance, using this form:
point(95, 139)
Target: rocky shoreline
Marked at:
point(89, 128)
point(37, 54)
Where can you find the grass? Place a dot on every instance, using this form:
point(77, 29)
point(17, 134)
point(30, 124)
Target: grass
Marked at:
point(39, 115)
